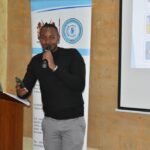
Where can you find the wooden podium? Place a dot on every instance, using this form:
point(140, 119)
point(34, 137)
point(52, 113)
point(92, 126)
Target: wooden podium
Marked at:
point(11, 122)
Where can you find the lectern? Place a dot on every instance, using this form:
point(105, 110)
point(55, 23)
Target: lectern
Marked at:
point(11, 122)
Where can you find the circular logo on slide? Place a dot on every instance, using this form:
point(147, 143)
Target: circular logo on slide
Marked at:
point(72, 30)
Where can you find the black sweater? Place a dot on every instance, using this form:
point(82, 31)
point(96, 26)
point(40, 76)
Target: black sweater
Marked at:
point(61, 90)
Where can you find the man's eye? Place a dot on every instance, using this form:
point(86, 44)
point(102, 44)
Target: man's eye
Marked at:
point(42, 37)
point(52, 37)
point(47, 38)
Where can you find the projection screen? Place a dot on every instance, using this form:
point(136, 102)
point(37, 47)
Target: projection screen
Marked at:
point(134, 56)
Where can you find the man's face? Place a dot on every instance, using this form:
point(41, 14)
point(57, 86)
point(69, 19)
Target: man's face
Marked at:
point(49, 36)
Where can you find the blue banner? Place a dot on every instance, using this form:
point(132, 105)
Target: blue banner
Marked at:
point(46, 4)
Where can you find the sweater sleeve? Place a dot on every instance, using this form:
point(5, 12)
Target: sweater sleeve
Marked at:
point(75, 78)
point(30, 77)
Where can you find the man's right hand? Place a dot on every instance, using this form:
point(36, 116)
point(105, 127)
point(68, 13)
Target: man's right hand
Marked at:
point(21, 91)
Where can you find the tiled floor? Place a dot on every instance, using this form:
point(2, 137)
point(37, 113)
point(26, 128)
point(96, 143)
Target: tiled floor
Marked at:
point(27, 144)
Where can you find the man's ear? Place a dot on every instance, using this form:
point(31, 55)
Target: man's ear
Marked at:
point(58, 39)
point(39, 38)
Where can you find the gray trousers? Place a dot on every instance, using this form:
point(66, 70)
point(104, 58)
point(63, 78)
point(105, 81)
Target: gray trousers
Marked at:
point(63, 134)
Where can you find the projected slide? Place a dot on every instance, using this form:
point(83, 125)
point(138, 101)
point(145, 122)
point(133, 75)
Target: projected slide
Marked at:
point(140, 54)
point(134, 56)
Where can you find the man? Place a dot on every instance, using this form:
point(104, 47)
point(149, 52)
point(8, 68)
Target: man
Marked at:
point(61, 85)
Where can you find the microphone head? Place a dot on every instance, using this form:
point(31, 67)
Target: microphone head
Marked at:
point(45, 63)
point(48, 47)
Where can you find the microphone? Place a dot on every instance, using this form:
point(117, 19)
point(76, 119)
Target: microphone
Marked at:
point(45, 63)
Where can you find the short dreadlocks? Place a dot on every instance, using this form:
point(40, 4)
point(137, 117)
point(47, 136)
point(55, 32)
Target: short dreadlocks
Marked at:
point(49, 25)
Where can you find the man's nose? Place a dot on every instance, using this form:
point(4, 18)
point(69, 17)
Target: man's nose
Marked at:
point(48, 41)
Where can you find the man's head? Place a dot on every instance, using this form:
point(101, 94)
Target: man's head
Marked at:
point(49, 35)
